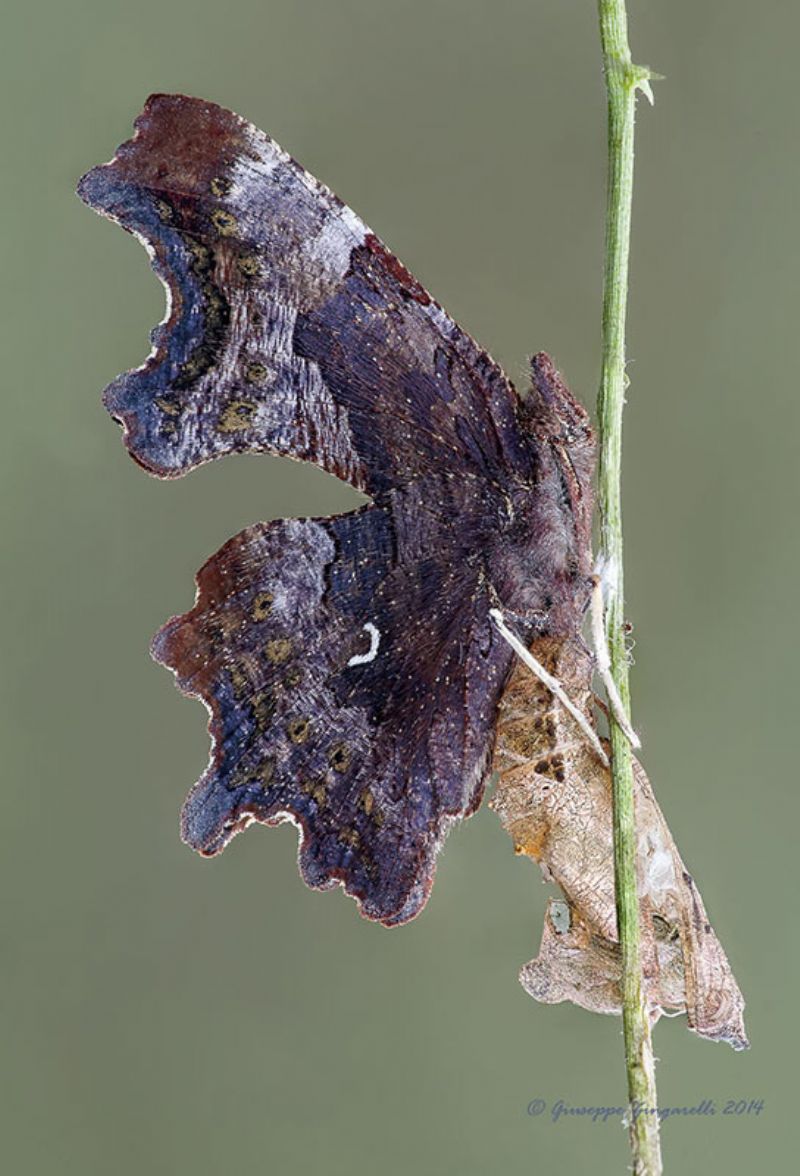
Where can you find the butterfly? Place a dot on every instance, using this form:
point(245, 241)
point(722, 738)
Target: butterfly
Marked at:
point(349, 664)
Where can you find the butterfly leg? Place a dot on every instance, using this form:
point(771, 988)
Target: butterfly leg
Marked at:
point(603, 663)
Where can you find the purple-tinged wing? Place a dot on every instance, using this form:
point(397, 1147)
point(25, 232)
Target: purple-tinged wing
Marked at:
point(291, 329)
point(349, 664)
point(352, 678)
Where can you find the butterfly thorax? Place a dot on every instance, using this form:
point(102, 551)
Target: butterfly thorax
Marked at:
point(540, 560)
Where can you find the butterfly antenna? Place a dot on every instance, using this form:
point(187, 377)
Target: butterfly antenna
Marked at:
point(552, 684)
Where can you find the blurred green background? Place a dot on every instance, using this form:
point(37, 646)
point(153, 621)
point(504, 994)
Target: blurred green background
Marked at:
point(164, 1014)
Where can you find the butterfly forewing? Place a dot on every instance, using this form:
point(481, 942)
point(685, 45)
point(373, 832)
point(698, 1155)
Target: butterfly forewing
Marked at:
point(349, 664)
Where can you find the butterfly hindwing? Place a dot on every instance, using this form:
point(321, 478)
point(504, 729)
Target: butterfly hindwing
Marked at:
point(306, 643)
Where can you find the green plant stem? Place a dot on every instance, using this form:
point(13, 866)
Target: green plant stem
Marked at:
point(622, 81)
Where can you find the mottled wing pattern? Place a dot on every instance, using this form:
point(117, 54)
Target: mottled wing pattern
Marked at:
point(348, 665)
point(291, 329)
point(352, 680)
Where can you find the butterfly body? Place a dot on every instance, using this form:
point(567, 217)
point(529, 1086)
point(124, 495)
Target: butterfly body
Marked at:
point(349, 664)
